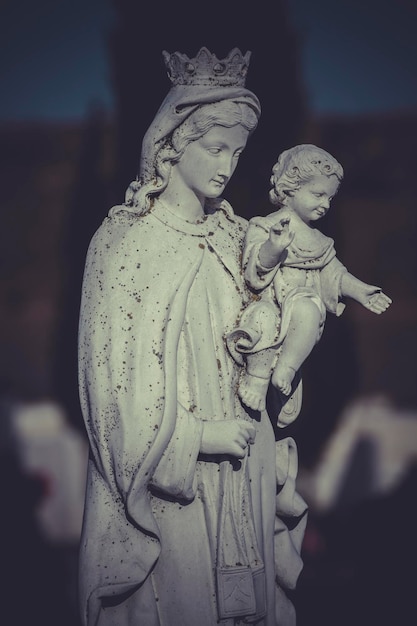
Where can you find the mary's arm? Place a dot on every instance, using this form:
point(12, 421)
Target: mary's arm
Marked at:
point(175, 472)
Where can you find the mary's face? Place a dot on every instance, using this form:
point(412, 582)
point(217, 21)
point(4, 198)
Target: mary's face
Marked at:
point(208, 163)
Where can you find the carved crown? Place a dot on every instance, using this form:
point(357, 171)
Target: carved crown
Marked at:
point(206, 69)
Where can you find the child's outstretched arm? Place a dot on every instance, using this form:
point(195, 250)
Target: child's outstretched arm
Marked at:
point(369, 296)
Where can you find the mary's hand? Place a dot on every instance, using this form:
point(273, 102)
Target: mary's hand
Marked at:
point(227, 437)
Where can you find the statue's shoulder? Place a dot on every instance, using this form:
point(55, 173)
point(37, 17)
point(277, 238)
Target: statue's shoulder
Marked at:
point(122, 219)
point(225, 209)
point(119, 230)
point(314, 238)
point(122, 216)
point(263, 220)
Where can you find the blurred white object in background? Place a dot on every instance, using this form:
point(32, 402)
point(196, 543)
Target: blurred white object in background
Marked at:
point(54, 452)
point(369, 454)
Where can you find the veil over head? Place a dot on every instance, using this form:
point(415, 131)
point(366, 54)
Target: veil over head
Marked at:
point(180, 102)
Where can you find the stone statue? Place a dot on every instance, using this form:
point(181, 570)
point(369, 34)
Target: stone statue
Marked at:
point(191, 512)
point(293, 269)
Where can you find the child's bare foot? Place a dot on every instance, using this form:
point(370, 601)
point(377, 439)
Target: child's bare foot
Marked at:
point(282, 377)
point(252, 390)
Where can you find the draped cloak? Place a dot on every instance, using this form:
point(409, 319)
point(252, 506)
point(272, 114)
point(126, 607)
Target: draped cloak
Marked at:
point(159, 296)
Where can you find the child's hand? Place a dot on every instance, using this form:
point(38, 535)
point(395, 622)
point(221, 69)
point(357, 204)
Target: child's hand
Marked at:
point(280, 234)
point(371, 297)
point(280, 237)
point(374, 299)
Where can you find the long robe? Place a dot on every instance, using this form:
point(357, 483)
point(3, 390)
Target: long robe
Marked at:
point(169, 535)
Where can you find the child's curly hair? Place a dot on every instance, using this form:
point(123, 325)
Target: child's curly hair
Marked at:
point(298, 165)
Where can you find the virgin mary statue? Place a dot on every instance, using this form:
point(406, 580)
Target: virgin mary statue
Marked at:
point(191, 515)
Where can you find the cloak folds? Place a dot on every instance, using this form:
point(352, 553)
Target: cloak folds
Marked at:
point(137, 280)
point(128, 343)
point(159, 296)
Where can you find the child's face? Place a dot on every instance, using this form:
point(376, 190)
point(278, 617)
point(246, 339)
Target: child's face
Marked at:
point(312, 200)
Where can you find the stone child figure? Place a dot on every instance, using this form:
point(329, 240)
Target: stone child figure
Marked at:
point(182, 526)
point(294, 268)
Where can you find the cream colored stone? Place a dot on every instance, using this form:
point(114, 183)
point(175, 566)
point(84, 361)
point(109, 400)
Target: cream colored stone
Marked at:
point(191, 512)
point(294, 268)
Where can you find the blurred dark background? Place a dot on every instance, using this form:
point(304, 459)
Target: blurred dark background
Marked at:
point(80, 84)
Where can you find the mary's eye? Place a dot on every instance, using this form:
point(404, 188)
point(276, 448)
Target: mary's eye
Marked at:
point(214, 150)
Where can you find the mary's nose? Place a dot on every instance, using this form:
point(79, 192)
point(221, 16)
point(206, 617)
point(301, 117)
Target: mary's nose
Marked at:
point(325, 203)
point(226, 167)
